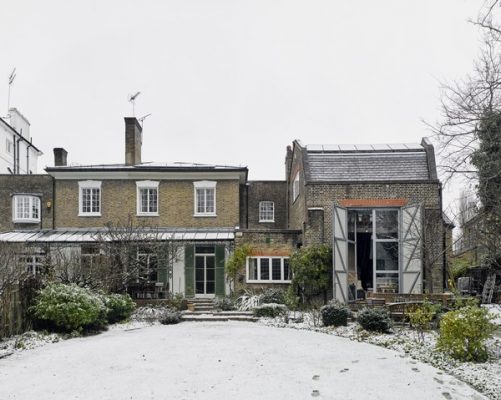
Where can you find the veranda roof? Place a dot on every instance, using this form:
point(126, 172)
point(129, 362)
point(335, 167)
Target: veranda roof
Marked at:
point(94, 235)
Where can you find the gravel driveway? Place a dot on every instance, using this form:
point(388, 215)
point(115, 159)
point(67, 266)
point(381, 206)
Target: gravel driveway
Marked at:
point(220, 361)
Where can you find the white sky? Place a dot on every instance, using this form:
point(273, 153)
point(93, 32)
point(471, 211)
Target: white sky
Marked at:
point(230, 81)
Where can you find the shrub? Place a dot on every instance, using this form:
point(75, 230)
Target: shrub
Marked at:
point(69, 308)
point(273, 295)
point(178, 302)
point(120, 307)
point(171, 318)
point(335, 314)
point(375, 319)
point(271, 310)
point(224, 303)
point(463, 332)
point(420, 317)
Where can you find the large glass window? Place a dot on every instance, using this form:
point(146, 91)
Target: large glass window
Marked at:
point(295, 187)
point(148, 265)
point(268, 269)
point(26, 209)
point(373, 250)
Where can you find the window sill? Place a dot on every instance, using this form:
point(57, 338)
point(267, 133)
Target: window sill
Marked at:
point(26, 221)
point(252, 281)
point(266, 221)
point(89, 214)
point(205, 215)
point(147, 214)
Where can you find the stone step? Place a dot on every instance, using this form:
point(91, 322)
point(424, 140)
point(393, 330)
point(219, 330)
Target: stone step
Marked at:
point(210, 317)
point(221, 313)
point(197, 307)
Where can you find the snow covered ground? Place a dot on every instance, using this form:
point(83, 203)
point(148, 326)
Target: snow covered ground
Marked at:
point(208, 360)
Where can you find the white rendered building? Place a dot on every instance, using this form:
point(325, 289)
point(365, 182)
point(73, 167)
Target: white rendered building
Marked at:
point(18, 155)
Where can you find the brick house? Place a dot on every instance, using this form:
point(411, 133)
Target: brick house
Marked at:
point(378, 206)
point(192, 204)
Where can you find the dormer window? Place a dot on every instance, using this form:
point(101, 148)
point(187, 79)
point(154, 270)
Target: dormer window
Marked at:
point(26, 209)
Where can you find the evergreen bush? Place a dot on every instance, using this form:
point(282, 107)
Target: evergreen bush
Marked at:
point(375, 319)
point(463, 332)
point(119, 307)
point(69, 308)
point(224, 303)
point(335, 314)
point(171, 318)
point(273, 295)
point(270, 310)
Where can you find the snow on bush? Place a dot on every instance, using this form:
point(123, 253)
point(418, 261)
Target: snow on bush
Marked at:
point(119, 307)
point(270, 310)
point(375, 319)
point(335, 314)
point(69, 308)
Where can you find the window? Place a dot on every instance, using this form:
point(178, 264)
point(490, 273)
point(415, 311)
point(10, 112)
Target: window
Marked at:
point(8, 146)
point(147, 265)
point(90, 198)
point(295, 187)
point(268, 269)
point(205, 198)
point(266, 211)
point(26, 209)
point(90, 259)
point(33, 263)
point(147, 198)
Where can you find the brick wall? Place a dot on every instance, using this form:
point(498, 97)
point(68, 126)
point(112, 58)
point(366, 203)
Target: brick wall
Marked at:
point(258, 191)
point(175, 204)
point(40, 185)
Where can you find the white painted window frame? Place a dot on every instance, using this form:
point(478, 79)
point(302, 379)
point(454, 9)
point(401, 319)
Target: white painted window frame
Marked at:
point(140, 185)
point(270, 273)
point(89, 185)
point(295, 187)
point(262, 211)
point(32, 201)
point(204, 185)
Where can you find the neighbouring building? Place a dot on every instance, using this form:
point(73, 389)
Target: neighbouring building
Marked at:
point(18, 155)
point(378, 206)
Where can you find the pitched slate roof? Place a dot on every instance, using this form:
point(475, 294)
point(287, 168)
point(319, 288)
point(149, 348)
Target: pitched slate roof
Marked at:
point(347, 163)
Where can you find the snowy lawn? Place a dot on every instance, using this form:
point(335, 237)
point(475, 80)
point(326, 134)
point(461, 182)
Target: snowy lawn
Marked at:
point(208, 360)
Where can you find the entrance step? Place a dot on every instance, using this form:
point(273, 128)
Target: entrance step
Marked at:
point(218, 316)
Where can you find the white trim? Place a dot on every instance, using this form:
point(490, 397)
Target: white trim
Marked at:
point(31, 203)
point(204, 185)
point(146, 185)
point(89, 185)
point(135, 175)
point(270, 272)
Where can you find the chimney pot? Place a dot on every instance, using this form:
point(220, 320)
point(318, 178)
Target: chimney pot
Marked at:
point(133, 141)
point(60, 157)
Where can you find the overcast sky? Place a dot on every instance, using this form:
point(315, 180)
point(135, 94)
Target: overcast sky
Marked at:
point(230, 81)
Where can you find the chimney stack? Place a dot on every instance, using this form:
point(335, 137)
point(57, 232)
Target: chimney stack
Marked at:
point(60, 157)
point(133, 141)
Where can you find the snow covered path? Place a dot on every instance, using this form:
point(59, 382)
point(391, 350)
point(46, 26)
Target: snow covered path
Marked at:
point(220, 361)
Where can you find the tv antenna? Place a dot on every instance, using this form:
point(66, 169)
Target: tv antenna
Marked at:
point(141, 120)
point(132, 99)
point(12, 76)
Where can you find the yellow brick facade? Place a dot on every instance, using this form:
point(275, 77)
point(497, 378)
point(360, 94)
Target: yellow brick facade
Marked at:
point(175, 204)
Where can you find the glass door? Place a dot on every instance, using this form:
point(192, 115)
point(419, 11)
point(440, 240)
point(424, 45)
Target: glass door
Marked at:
point(205, 271)
point(386, 248)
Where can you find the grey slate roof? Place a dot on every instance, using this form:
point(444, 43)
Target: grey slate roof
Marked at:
point(348, 163)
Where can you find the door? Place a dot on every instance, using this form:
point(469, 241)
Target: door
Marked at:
point(411, 252)
point(205, 274)
point(340, 254)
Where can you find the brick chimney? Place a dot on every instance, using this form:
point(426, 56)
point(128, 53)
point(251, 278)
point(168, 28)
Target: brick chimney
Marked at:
point(60, 157)
point(133, 141)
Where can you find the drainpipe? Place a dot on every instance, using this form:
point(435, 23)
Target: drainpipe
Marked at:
point(444, 242)
point(28, 158)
